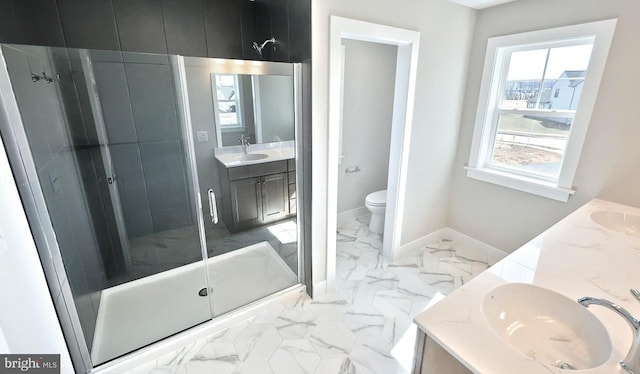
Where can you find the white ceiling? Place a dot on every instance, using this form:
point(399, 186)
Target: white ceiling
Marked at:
point(481, 4)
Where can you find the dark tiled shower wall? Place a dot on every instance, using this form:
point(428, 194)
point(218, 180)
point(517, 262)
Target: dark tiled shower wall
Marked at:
point(141, 120)
point(203, 28)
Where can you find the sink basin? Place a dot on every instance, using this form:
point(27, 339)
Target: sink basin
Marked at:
point(546, 326)
point(620, 222)
point(251, 157)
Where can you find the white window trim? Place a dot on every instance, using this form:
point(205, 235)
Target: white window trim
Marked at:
point(483, 132)
point(240, 124)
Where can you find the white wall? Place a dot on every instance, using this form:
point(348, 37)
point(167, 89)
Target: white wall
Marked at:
point(28, 321)
point(609, 162)
point(369, 84)
point(446, 32)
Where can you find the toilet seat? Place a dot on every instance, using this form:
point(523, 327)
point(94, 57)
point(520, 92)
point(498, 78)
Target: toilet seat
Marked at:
point(378, 198)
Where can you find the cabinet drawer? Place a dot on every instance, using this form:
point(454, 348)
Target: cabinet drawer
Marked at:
point(269, 168)
point(250, 171)
point(240, 172)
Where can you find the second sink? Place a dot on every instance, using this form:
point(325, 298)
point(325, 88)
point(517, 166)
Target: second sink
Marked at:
point(625, 223)
point(546, 326)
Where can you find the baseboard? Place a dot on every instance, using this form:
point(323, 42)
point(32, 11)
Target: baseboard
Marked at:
point(493, 254)
point(421, 242)
point(319, 289)
point(351, 214)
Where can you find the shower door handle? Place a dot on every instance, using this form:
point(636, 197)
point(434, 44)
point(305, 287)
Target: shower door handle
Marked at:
point(213, 207)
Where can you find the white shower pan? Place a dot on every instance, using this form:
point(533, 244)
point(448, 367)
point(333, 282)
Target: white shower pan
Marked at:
point(137, 313)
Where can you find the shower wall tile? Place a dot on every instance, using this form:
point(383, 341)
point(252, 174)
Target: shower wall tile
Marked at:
point(138, 225)
point(47, 26)
point(64, 234)
point(145, 58)
point(140, 25)
point(155, 115)
point(249, 30)
point(15, 25)
point(89, 24)
point(173, 218)
point(223, 28)
point(184, 26)
point(26, 93)
point(74, 119)
point(87, 316)
point(103, 222)
point(105, 56)
point(279, 14)
point(162, 26)
point(113, 91)
point(263, 28)
point(130, 179)
point(299, 31)
point(164, 175)
point(83, 96)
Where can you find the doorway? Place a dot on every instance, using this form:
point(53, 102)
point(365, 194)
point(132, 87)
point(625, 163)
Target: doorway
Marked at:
point(407, 43)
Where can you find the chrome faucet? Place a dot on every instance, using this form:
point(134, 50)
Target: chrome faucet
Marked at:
point(244, 140)
point(631, 363)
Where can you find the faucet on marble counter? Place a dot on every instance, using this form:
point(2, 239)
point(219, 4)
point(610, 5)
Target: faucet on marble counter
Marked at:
point(244, 140)
point(631, 363)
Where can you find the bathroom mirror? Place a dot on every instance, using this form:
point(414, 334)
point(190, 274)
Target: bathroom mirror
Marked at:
point(255, 106)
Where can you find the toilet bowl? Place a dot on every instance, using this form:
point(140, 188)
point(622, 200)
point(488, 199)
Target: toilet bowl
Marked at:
point(376, 202)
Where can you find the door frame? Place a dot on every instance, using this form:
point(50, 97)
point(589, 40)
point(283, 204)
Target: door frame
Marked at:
point(408, 43)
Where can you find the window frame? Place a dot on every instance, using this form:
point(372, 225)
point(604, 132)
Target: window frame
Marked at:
point(494, 77)
point(238, 100)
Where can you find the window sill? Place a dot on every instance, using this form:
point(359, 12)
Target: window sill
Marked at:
point(529, 185)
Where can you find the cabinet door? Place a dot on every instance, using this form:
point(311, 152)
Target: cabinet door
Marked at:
point(245, 202)
point(275, 197)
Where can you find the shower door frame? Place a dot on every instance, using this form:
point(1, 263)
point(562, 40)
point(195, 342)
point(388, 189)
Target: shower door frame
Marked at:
point(26, 176)
point(23, 167)
point(184, 113)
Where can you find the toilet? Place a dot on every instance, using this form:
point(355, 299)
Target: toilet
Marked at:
point(376, 202)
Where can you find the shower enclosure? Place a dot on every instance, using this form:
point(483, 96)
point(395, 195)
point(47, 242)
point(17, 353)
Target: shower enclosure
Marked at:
point(122, 172)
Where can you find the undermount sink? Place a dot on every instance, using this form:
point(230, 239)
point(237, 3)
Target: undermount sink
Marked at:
point(625, 223)
point(546, 326)
point(251, 156)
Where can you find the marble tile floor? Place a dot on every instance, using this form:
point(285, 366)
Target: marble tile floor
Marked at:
point(158, 252)
point(365, 327)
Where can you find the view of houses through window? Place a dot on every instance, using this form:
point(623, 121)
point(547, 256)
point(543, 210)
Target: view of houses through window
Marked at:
point(540, 92)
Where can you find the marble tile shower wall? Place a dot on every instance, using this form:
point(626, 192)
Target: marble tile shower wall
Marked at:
point(139, 107)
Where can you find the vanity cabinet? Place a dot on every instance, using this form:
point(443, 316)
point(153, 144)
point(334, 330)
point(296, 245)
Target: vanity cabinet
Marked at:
point(257, 194)
point(431, 358)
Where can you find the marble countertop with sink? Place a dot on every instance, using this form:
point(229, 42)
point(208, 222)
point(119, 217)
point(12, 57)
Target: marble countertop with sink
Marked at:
point(233, 156)
point(576, 257)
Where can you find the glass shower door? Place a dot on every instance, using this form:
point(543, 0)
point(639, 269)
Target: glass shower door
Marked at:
point(247, 190)
point(104, 137)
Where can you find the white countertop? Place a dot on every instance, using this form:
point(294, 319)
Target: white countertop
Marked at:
point(576, 257)
point(230, 160)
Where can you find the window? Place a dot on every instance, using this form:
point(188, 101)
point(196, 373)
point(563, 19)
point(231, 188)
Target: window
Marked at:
point(227, 101)
point(536, 99)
